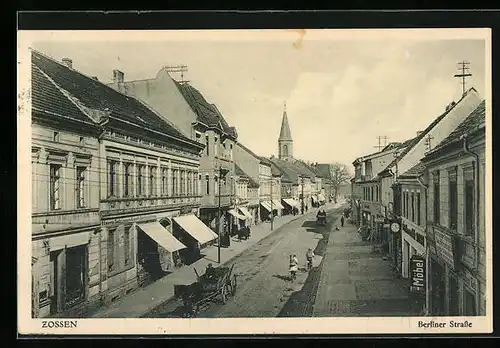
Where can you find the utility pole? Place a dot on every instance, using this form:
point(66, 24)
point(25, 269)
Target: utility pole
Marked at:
point(380, 138)
point(222, 172)
point(302, 181)
point(272, 212)
point(428, 142)
point(464, 68)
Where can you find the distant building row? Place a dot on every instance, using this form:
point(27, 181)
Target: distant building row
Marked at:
point(423, 202)
point(133, 179)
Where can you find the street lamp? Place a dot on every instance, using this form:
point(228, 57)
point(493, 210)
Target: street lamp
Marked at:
point(222, 172)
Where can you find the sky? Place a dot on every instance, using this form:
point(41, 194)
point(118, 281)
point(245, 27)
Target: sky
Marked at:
point(340, 94)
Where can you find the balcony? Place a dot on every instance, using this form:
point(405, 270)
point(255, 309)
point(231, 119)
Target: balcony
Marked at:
point(112, 206)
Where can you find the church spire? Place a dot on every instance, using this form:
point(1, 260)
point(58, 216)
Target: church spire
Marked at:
point(285, 141)
point(285, 133)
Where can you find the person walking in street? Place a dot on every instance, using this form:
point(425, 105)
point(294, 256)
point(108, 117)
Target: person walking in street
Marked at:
point(309, 258)
point(294, 267)
point(342, 221)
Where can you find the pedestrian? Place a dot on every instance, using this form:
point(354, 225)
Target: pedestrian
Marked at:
point(342, 221)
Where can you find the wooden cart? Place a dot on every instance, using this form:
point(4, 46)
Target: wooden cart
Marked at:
point(207, 289)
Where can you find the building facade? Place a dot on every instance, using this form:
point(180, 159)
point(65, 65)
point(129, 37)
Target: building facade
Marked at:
point(182, 105)
point(136, 179)
point(456, 228)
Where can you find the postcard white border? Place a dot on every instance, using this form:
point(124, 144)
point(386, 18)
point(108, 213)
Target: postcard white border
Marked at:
point(371, 325)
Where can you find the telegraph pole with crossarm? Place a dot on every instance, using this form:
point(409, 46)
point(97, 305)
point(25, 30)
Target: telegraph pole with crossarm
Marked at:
point(464, 68)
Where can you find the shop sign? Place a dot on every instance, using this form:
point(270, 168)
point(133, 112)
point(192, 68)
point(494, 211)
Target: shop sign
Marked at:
point(417, 274)
point(444, 246)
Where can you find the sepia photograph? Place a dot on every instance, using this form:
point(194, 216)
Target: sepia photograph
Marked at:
point(254, 181)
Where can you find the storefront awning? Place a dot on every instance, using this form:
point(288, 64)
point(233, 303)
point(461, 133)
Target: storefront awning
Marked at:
point(245, 212)
point(161, 236)
point(69, 240)
point(266, 206)
point(292, 202)
point(196, 228)
point(277, 204)
point(236, 214)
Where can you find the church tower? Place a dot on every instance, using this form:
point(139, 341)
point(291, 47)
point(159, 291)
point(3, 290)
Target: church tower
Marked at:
point(285, 142)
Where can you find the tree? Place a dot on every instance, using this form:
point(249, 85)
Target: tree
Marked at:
point(339, 175)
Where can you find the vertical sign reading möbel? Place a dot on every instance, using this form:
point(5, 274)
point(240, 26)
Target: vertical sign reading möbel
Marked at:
point(417, 274)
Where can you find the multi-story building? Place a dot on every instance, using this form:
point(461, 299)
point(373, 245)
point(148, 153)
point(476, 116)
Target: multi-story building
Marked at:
point(184, 106)
point(323, 170)
point(142, 176)
point(259, 171)
point(456, 231)
point(455, 113)
point(249, 206)
point(276, 176)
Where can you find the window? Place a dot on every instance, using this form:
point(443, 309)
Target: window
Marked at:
point(126, 179)
point(453, 198)
point(197, 181)
point(231, 151)
point(55, 136)
point(174, 182)
point(189, 184)
point(80, 190)
point(126, 246)
point(469, 202)
point(55, 177)
point(216, 185)
point(164, 181)
point(112, 178)
point(111, 250)
point(436, 198)
point(418, 209)
point(198, 136)
point(404, 203)
point(207, 145)
point(183, 182)
point(412, 207)
point(82, 141)
point(140, 181)
point(152, 181)
point(207, 180)
point(371, 196)
point(216, 146)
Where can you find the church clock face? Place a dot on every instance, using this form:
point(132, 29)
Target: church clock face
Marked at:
point(395, 227)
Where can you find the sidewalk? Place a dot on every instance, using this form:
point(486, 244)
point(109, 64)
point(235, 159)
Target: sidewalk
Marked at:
point(147, 298)
point(357, 282)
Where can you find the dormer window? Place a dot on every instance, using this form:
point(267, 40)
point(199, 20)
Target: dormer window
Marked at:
point(55, 136)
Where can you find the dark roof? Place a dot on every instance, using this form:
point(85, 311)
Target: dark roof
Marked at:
point(291, 170)
point(68, 86)
point(240, 172)
point(411, 143)
point(323, 170)
point(414, 171)
point(275, 171)
point(259, 158)
point(473, 122)
point(207, 113)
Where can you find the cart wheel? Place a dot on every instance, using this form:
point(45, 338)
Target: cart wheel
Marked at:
point(233, 285)
point(223, 294)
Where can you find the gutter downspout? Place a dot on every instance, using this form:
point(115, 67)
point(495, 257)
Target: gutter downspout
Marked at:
point(427, 290)
point(478, 201)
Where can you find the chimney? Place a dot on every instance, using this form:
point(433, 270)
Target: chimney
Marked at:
point(419, 132)
point(118, 76)
point(68, 62)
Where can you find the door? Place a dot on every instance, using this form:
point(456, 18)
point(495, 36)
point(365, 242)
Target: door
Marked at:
point(76, 279)
point(55, 284)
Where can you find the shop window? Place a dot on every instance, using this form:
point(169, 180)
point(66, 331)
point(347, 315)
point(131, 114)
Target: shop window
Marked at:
point(469, 196)
point(80, 190)
point(436, 199)
point(469, 304)
point(112, 179)
point(111, 250)
point(453, 199)
point(127, 179)
point(55, 186)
